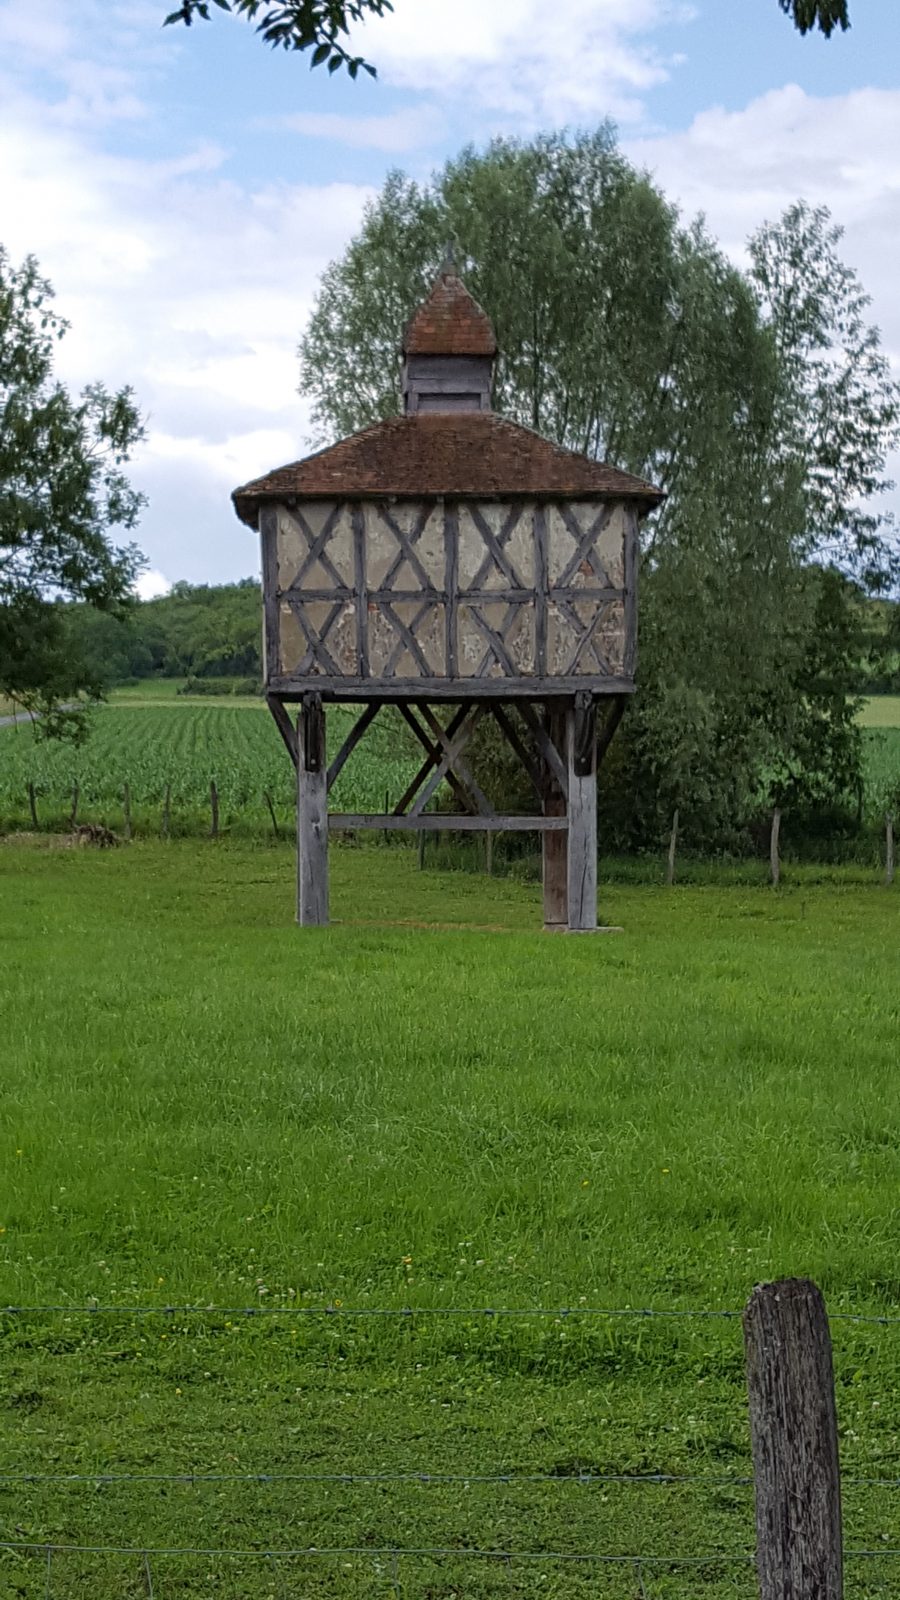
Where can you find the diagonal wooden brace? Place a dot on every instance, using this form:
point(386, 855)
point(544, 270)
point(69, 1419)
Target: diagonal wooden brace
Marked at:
point(454, 747)
point(432, 760)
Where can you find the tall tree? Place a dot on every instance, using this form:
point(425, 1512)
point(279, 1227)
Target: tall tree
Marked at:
point(63, 492)
point(629, 336)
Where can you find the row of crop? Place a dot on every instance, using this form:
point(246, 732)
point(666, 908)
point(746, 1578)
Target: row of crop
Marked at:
point(165, 750)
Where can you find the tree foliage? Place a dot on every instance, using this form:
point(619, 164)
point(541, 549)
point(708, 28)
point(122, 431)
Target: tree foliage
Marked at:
point(322, 25)
point(63, 491)
point(196, 630)
point(317, 25)
point(759, 400)
point(824, 14)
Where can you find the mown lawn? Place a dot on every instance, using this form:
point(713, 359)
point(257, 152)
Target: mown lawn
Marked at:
point(203, 1105)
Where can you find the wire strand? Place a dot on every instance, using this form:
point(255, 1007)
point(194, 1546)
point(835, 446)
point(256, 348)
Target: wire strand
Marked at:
point(350, 1312)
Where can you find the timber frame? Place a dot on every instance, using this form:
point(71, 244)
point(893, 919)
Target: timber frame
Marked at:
point(557, 742)
point(457, 566)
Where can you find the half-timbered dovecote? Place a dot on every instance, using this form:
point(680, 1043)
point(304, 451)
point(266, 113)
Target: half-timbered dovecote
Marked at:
point(449, 556)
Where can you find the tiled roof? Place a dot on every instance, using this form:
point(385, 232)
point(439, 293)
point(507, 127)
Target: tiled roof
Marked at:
point(449, 323)
point(468, 454)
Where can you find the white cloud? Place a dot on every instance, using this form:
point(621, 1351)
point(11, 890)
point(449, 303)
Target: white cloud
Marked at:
point(188, 286)
point(151, 584)
point(742, 168)
point(526, 60)
point(745, 167)
point(394, 132)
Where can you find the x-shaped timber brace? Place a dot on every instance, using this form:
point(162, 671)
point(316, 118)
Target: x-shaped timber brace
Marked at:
point(557, 743)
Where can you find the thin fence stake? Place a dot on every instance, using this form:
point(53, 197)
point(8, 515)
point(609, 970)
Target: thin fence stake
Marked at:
point(888, 849)
point(269, 802)
point(32, 806)
point(774, 857)
point(793, 1428)
point(422, 837)
point(167, 811)
point(48, 1591)
point(126, 810)
point(489, 853)
point(148, 1577)
point(673, 844)
point(73, 816)
point(395, 1573)
point(214, 809)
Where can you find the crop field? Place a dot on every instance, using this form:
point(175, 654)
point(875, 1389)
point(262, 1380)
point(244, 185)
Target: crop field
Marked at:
point(430, 1105)
point(185, 744)
point(149, 737)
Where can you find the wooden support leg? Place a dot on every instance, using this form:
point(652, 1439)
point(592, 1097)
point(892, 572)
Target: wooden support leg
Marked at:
point(312, 815)
point(556, 897)
point(581, 751)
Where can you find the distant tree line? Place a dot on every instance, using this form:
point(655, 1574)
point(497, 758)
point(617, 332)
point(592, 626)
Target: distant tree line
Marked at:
point(202, 631)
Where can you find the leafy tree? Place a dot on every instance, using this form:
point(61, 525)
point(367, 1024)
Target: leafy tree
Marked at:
point(62, 493)
point(628, 335)
point(316, 25)
point(824, 14)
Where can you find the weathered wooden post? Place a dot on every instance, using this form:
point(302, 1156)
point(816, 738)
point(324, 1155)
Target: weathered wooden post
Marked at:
point(581, 853)
point(126, 810)
point(213, 809)
point(450, 557)
point(888, 849)
point(312, 815)
point(793, 1428)
point(555, 855)
point(32, 806)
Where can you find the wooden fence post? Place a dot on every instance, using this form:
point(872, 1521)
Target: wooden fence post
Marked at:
point(673, 845)
point(126, 811)
point(793, 1428)
point(488, 852)
point(73, 815)
point(271, 805)
point(774, 856)
point(888, 849)
point(421, 841)
point(214, 809)
point(167, 811)
point(32, 806)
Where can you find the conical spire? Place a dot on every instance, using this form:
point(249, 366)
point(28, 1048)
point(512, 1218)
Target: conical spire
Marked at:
point(449, 322)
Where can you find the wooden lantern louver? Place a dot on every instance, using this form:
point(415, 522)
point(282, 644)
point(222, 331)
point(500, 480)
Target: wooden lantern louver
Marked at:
point(449, 555)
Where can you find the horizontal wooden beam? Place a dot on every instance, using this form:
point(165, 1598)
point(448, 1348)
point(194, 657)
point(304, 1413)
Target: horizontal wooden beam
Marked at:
point(445, 821)
point(458, 690)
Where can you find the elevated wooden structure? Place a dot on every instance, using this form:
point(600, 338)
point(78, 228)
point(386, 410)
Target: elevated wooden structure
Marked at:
point(458, 566)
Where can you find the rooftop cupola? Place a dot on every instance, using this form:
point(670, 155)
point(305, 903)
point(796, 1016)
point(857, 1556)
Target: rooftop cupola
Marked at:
point(448, 350)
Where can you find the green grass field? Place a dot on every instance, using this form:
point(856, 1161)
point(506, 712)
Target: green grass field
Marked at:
point(204, 1105)
point(880, 711)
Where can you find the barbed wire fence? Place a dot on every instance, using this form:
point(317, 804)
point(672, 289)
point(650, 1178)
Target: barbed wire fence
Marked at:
point(789, 1369)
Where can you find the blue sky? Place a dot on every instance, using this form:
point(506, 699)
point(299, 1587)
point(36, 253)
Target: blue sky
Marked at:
point(184, 190)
